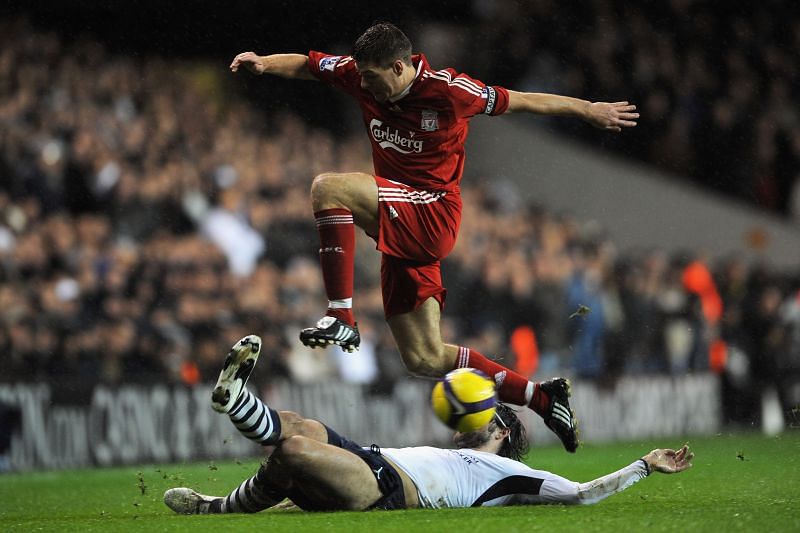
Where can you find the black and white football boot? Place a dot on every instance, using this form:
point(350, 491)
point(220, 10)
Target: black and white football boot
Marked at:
point(330, 330)
point(559, 417)
point(237, 368)
point(183, 500)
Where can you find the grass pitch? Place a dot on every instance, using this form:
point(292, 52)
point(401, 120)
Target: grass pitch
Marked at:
point(743, 482)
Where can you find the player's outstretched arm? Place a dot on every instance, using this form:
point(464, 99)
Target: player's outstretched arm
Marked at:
point(293, 66)
point(561, 490)
point(612, 116)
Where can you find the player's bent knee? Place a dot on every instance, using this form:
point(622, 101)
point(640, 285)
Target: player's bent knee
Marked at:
point(325, 186)
point(294, 424)
point(291, 422)
point(342, 190)
point(294, 450)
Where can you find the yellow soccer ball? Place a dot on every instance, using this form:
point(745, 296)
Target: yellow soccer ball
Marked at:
point(464, 399)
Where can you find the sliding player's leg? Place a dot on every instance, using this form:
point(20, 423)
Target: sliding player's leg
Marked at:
point(325, 476)
point(335, 474)
point(249, 414)
point(258, 422)
point(315, 476)
point(419, 339)
point(251, 496)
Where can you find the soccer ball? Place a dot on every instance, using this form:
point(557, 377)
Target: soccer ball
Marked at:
point(464, 399)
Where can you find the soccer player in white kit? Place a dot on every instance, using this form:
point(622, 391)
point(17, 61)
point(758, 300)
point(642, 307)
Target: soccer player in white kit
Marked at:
point(317, 469)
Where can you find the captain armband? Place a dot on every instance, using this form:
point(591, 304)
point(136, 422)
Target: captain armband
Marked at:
point(490, 95)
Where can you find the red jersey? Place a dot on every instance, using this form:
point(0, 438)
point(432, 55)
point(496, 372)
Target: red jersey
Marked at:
point(417, 139)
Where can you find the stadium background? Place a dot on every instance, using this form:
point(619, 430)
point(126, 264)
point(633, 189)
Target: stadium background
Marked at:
point(153, 209)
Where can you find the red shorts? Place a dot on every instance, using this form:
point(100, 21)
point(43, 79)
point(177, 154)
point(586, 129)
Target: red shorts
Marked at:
point(416, 230)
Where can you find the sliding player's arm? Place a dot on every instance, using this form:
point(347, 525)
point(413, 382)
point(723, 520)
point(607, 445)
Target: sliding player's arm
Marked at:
point(293, 66)
point(560, 490)
point(604, 115)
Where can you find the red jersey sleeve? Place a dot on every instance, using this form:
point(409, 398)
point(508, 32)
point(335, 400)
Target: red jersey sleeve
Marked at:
point(471, 97)
point(338, 71)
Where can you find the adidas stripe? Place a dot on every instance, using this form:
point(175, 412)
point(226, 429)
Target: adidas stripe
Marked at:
point(562, 413)
point(334, 219)
point(459, 81)
point(387, 194)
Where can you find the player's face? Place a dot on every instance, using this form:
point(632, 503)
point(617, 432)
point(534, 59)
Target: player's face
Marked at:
point(383, 83)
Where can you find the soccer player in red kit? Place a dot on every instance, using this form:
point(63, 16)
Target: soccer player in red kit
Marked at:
point(417, 121)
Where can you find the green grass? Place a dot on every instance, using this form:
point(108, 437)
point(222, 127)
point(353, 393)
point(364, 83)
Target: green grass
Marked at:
point(742, 482)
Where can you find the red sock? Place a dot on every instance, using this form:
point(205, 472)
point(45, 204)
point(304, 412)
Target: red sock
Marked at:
point(337, 237)
point(511, 387)
point(540, 402)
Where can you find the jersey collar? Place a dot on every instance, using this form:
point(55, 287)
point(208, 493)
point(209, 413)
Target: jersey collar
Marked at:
point(421, 62)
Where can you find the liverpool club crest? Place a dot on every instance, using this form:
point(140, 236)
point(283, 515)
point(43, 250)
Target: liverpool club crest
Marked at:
point(430, 120)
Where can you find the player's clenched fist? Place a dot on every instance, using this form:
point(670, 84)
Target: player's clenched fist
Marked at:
point(249, 60)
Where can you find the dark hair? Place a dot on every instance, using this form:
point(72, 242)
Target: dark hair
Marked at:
point(381, 44)
point(516, 445)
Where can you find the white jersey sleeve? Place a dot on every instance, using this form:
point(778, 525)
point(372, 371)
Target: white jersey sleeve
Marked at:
point(469, 478)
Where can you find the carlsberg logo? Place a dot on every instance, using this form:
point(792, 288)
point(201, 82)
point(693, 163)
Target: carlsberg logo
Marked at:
point(387, 137)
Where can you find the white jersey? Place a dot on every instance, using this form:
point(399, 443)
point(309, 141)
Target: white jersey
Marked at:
point(470, 478)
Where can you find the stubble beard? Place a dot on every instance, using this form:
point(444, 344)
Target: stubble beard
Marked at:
point(473, 439)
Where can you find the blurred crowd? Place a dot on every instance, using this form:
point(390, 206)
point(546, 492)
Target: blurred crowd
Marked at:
point(149, 219)
point(718, 84)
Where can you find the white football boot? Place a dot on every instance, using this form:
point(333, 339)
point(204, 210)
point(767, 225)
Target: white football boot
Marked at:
point(184, 500)
point(237, 368)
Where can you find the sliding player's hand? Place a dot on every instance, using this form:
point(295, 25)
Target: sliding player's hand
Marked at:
point(612, 116)
point(249, 60)
point(669, 461)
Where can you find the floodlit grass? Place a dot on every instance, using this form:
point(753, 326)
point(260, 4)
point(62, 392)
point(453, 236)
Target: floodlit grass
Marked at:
point(742, 482)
